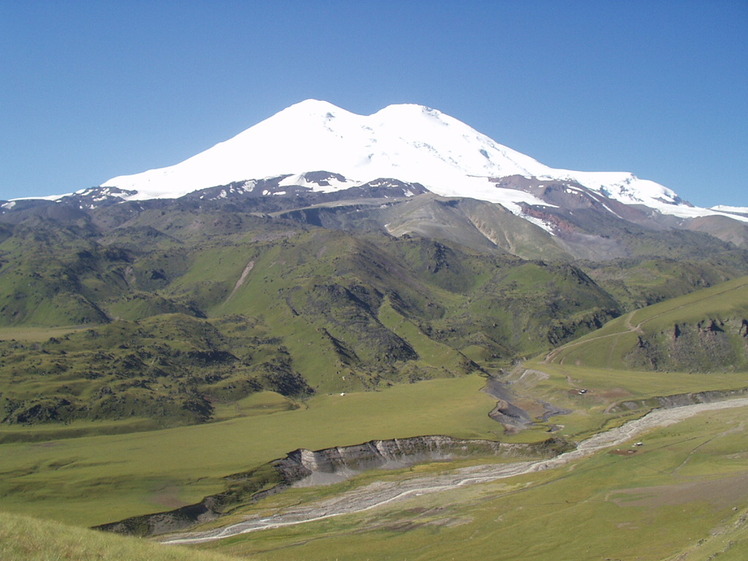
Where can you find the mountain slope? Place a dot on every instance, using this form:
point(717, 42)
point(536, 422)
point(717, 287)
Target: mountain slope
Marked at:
point(202, 306)
point(704, 331)
point(194, 304)
point(314, 157)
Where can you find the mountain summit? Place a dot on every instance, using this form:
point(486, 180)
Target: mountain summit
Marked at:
point(408, 142)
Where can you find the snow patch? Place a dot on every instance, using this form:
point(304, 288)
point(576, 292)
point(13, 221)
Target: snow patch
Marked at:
point(329, 184)
point(547, 226)
point(731, 209)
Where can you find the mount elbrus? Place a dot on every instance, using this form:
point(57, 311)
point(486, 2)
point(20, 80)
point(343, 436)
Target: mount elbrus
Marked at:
point(323, 148)
point(325, 251)
point(316, 147)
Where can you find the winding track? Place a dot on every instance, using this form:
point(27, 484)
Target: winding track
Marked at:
point(630, 327)
point(384, 492)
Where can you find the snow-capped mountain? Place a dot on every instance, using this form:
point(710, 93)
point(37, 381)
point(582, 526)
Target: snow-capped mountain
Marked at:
point(411, 143)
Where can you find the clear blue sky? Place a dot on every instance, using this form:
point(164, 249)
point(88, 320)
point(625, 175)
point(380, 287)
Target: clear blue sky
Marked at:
point(94, 89)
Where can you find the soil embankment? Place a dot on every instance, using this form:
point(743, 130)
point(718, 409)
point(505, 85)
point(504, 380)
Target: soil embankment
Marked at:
point(677, 400)
point(307, 467)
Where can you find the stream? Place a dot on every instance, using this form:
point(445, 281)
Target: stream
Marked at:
point(385, 492)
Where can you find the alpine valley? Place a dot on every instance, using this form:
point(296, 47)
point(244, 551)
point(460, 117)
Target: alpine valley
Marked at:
point(325, 279)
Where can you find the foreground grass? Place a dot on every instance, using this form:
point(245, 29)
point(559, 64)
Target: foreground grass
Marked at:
point(681, 495)
point(28, 539)
point(96, 479)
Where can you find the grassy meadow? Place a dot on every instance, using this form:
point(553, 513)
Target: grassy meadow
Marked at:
point(90, 480)
point(682, 495)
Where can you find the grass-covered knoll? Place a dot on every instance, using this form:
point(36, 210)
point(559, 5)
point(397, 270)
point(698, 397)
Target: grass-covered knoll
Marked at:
point(173, 369)
point(681, 495)
point(703, 331)
point(96, 479)
point(23, 538)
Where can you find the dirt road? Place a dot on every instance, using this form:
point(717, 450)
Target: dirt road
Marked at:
point(551, 356)
point(384, 492)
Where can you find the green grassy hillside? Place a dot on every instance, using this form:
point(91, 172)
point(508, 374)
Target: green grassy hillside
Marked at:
point(703, 331)
point(640, 282)
point(172, 369)
point(214, 306)
point(23, 538)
